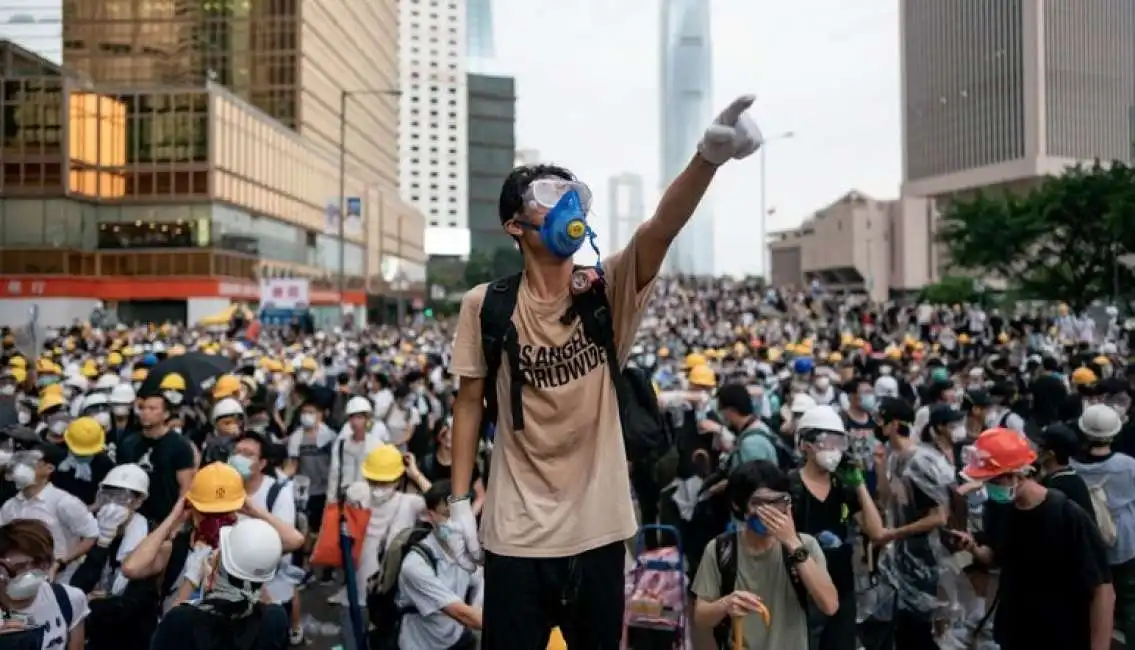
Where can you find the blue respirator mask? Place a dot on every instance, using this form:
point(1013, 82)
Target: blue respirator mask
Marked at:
point(565, 226)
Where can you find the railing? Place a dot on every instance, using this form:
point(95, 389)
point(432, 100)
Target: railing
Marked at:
point(129, 263)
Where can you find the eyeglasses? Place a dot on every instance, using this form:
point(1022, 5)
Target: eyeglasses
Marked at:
point(779, 501)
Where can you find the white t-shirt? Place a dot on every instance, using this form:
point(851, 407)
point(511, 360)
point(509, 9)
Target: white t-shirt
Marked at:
point(136, 530)
point(44, 610)
point(279, 590)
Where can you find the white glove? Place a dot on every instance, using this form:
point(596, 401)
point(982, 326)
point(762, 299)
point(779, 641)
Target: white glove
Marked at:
point(358, 494)
point(110, 518)
point(463, 525)
point(732, 135)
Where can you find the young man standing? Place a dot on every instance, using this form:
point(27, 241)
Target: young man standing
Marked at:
point(558, 506)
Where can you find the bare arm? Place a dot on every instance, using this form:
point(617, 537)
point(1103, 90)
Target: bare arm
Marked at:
point(185, 476)
point(653, 238)
point(1102, 616)
point(77, 637)
point(466, 423)
point(869, 517)
point(818, 583)
point(467, 615)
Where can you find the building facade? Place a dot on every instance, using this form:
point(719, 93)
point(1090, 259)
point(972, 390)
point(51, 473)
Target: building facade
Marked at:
point(1003, 94)
point(626, 207)
point(686, 49)
point(492, 146)
point(35, 25)
point(856, 244)
point(174, 201)
point(433, 120)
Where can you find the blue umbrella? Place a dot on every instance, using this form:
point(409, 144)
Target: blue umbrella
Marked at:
point(349, 573)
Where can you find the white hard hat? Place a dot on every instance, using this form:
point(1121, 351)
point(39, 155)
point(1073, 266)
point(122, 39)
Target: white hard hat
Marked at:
point(1100, 422)
point(886, 387)
point(128, 476)
point(122, 395)
point(251, 550)
point(78, 382)
point(93, 400)
point(359, 404)
point(801, 403)
point(821, 418)
point(227, 407)
point(106, 382)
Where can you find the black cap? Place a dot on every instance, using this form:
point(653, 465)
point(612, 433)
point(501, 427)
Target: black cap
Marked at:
point(944, 414)
point(977, 397)
point(1060, 439)
point(893, 409)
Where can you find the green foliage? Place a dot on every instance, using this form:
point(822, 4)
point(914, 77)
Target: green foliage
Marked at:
point(488, 265)
point(951, 290)
point(1060, 241)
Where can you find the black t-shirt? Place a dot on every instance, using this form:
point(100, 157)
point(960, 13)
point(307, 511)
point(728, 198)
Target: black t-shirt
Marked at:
point(181, 629)
point(1051, 560)
point(833, 515)
point(1073, 487)
point(434, 470)
point(162, 458)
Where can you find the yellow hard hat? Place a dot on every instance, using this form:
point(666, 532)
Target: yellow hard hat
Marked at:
point(216, 488)
point(114, 359)
point(89, 369)
point(308, 364)
point(1101, 360)
point(271, 365)
point(46, 367)
point(556, 641)
point(176, 351)
point(48, 401)
point(703, 376)
point(19, 374)
point(1083, 376)
point(695, 359)
point(173, 381)
point(227, 386)
point(384, 464)
point(85, 437)
point(139, 374)
point(18, 362)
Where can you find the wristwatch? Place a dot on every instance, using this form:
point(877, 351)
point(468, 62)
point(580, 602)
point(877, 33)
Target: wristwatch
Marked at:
point(454, 498)
point(798, 556)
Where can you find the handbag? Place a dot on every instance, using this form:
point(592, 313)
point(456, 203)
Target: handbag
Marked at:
point(326, 552)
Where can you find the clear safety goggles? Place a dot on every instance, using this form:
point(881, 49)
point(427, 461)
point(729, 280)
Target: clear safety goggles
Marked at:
point(830, 441)
point(115, 495)
point(547, 192)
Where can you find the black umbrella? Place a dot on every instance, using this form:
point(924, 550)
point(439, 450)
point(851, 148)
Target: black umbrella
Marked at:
point(198, 369)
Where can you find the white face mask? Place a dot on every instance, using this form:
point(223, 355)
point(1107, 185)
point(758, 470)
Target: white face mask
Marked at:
point(823, 383)
point(23, 417)
point(958, 432)
point(22, 476)
point(381, 494)
point(26, 585)
point(58, 427)
point(120, 411)
point(103, 418)
point(829, 459)
point(8, 389)
point(307, 420)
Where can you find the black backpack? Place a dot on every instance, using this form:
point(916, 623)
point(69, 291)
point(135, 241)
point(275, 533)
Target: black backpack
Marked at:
point(645, 434)
point(385, 615)
point(725, 554)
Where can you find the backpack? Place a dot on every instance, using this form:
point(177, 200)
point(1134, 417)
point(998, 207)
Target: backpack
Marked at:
point(725, 554)
point(386, 615)
point(1109, 533)
point(785, 458)
point(645, 434)
point(274, 493)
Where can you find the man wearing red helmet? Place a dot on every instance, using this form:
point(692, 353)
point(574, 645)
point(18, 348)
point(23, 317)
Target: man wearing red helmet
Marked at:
point(1055, 589)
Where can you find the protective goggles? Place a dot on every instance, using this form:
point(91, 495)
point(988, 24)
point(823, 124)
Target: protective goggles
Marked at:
point(830, 441)
point(118, 496)
point(547, 192)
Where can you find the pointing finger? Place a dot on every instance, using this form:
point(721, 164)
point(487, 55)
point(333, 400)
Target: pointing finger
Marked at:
point(733, 112)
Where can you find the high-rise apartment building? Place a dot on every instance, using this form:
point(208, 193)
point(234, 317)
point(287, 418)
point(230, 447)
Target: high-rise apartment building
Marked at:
point(432, 134)
point(480, 46)
point(35, 25)
point(492, 147)
point(625, 207)
point(1005, 93)
point(685, 105)
point(186, 149)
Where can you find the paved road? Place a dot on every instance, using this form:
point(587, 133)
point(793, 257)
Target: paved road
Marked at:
point(314, 599)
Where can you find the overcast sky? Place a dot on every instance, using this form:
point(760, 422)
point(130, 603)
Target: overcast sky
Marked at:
point(588, 97)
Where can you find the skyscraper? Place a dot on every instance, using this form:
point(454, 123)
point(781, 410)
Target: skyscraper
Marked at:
point(685, 102)
point(480, 47)
point(432, 133)
point(1005, 93)
point(625, 207)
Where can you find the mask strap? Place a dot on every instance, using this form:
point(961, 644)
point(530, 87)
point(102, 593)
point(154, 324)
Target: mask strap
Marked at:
point(591, 237)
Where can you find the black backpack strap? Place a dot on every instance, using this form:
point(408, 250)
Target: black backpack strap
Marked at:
point(498, 339)
point(725, 555)
point(594, 312)
point(63, 599)
point(274, 493)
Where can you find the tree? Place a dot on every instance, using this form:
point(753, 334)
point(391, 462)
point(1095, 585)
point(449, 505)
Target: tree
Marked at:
point(479, 268)
point(1060, 241)
point(951, 290)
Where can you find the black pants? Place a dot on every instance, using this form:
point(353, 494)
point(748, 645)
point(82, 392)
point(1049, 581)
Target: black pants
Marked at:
point(526, 597)
point(838, 631)
point(914, 631)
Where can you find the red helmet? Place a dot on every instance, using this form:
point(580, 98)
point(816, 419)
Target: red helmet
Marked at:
point(999, 451)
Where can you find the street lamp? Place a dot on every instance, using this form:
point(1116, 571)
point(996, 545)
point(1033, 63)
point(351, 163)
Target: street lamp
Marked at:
point(345, 96)
point(765, 266)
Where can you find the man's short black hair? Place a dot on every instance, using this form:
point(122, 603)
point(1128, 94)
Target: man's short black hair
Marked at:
point(512, 190)
point(438, 493)
point(259, 439)
point(735, 396)
point(747, 478)
point(53, 455)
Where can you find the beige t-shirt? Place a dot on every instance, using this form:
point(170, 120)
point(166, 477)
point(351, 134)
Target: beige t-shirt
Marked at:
point(560, 487)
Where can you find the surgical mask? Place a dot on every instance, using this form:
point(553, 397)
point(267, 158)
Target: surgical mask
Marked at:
point(1000, 493)
point(242, 465)
point(103, 418)
point(307, 420)
point(26, 585)
point(381, 494)
point(23, 417)
point(565, 226)
point(303, 378)
point(259, 426)
point(22, 476)
point(829, 459)
point(58, 427)
point(120, 411)
point(8, 389)
point(958, 433)
point(823, 383)
point(867, 403)
point(755, 524)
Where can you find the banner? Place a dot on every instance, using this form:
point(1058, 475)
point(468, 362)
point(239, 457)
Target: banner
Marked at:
point(29, 338)
point(285, 293)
